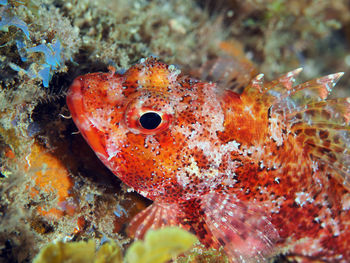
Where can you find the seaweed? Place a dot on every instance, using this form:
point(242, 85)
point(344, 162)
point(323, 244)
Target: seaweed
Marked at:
point(8, 20)
point(79, 252)
point(159, 246)
point(52, 62)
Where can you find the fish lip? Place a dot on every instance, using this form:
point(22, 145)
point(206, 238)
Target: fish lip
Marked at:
point(75, 103)
point(74, 98)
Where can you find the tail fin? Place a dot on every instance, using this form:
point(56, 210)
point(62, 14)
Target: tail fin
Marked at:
point(321, 125)
point(244, 230)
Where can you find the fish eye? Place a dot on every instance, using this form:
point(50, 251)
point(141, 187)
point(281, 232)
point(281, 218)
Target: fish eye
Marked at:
point(150, 120)
point(148, 115)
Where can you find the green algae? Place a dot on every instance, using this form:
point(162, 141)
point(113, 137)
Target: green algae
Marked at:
point(159, 246)
point(79, 252)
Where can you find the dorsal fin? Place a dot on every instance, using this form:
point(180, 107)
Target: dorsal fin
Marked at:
point(324, 128)
point(321, 126)
point(281, 88)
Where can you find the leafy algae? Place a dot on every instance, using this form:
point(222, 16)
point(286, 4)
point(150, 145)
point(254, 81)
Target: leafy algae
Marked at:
point(159, 246)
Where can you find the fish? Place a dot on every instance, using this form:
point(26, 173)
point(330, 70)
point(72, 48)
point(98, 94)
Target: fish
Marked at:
point(260, 173)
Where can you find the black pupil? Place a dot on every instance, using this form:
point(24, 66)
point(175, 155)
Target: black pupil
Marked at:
point(150, 120)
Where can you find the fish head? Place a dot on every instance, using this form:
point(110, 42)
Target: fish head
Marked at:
point(156, 129)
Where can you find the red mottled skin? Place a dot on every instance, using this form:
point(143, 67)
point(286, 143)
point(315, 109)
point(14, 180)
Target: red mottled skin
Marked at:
point(260, 173)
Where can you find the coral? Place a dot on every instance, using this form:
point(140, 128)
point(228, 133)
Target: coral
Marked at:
point(52, 182)
point(121, 32)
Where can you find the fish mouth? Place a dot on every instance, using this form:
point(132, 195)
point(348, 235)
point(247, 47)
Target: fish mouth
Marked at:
point(75, 103)
point(74, 98)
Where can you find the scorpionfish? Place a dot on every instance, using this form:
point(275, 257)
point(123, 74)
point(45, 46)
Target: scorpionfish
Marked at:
point(259, 173)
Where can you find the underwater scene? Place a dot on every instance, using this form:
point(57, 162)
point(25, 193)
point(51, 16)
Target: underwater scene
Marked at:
point(154, 131)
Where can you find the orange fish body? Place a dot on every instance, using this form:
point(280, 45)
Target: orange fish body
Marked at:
point(259, 173)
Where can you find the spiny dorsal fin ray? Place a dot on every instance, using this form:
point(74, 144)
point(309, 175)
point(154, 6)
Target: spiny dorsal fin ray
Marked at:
point(321, 126)
point(282, 90)
point(281, 85)
point(299, 97)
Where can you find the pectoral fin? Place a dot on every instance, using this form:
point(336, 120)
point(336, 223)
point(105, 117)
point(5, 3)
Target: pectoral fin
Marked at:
point(242, 229)
point(154, 217)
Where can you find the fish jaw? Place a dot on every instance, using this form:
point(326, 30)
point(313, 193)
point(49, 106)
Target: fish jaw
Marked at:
point(82, 102)
point(76, 107)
